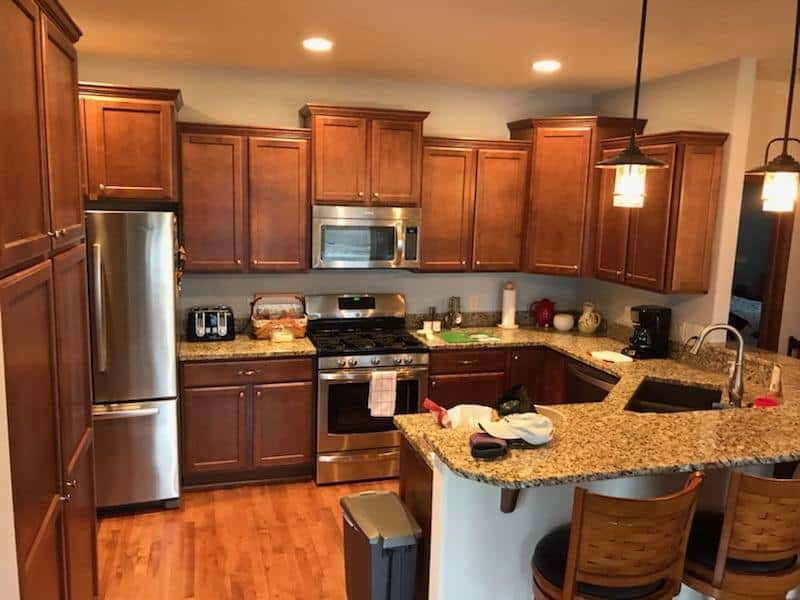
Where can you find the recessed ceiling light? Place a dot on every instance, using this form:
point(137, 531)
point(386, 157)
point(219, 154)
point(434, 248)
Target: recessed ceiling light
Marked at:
point(317, 44)
point(546, 66)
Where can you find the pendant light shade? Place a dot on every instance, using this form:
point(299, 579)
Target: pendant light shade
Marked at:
point(632, 164)
point(782, 174)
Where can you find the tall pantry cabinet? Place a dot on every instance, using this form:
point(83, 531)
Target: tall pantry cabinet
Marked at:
point(43, 304)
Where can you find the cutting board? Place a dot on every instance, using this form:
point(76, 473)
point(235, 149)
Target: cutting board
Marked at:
point(460, 337)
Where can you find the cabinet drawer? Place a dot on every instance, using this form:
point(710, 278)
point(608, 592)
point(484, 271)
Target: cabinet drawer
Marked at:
point(468, 361)
point(243, 372)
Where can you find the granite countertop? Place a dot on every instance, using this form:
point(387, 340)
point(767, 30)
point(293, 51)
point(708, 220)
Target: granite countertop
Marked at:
point(603, 441)
point(243, 347)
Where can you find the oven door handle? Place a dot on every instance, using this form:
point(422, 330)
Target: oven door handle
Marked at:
point(403, 374)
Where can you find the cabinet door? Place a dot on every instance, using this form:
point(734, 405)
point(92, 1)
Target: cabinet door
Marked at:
point(467, 388)
point(212, 201)
point(612, 229)
point(73, 359)
point(340, 160)
point(129, 146)
point(80, 525)
point(59, 61)
point(282, 424)
point(395, 162)
point(448, 197)
point(215, 436)
point(42, 575)
point(499, 209)
point(525, 368)
point(278, 204)
point(649, 227)
point(23, 233)
point(558, 199)
point(26, 309)
point(551, 388)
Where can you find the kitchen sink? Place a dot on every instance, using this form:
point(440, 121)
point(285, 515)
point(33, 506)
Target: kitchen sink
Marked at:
point(654, 396)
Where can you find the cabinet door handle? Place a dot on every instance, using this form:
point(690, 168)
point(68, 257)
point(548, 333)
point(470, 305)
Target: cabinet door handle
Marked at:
point(360, 194)
point(72, 483)
point(52, 234)
point(238, 261)
point(102, 188)
point(249, 372)
point(516, 357)
point(463, 262)
point(258, 394)
point(375, 195)
point(65, 497)
point(241, 394)
point(433, 384)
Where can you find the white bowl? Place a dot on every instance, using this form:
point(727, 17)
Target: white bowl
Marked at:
point(564, 321)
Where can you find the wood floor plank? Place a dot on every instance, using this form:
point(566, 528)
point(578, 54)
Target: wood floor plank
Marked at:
point(276, 542)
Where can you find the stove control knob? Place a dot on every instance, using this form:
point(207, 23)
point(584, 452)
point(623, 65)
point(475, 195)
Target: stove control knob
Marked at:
point(341, 363)
point(376, 360)
point(408, 360)
point(397, 360)
point(352, 362)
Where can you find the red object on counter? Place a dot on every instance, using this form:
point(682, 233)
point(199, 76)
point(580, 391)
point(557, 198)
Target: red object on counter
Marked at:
point(766, 402)
point(437, 411)
point(543, 311)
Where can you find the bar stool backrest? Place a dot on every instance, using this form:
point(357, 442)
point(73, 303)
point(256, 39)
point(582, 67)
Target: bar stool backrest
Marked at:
point(621, 542)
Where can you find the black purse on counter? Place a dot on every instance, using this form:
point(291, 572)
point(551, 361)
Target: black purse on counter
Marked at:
point(515, 400)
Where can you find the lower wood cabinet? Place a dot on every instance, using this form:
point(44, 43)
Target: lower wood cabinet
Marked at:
point(80, 525)
point(416, 492)
point(249, 420)
point(467, 388)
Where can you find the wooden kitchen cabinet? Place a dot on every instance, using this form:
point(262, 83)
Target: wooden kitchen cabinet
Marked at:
point(80, 525)
point(213, 201)
point(525, 367)
point(499, 209)
point(130, 142)
point(28, 329)
point(467, 388)
point(245, 199)
point(215, 429)
point(278, 204)
point(23, 233)
point(365, 156)
point(448, 198)
point(562, 203)
point(283, 418)
point(665, 246)
point(473, 203)
point(247, 421)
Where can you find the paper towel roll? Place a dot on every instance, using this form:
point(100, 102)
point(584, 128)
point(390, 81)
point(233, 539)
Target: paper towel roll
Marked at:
point(509, 306)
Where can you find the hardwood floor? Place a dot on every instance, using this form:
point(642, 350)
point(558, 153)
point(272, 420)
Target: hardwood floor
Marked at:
point(271, 542)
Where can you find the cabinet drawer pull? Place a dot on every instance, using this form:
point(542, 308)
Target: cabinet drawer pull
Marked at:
point(249, 372)
point(258, 394)
point(468, 362)
point(241, 394)
point(433, 384)
point(102, 187)
point(516, 357)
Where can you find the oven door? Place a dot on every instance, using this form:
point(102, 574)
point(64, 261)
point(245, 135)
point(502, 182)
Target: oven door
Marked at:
point(343, 418)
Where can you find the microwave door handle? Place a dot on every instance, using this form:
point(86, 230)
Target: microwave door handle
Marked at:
point(101, 343)
point(401, 243)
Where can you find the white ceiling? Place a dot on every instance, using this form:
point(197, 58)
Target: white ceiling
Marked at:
point(472, 42)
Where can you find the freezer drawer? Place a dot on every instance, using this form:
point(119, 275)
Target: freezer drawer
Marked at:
point(136, 452)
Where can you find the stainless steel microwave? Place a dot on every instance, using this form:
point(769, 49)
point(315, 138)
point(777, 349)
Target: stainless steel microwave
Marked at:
point(361, 237)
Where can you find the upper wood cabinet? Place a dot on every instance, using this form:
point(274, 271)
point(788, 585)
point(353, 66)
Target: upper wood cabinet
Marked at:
point(365, 155)
point(278, 204)
point(666, 246)
point(213, 201)
point(23, 233)
point(448, 199)
point(130, 142)
point(559, 237)
point(244, 198)
point(473, 204)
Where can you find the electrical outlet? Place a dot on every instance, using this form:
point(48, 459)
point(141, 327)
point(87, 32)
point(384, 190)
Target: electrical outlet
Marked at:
point(472, 304)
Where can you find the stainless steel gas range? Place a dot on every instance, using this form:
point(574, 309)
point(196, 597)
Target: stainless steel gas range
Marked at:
point(355, 336)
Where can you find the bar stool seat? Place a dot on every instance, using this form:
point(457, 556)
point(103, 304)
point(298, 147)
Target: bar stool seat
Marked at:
point(550, 560)
point(617, 548)
point(704, 545)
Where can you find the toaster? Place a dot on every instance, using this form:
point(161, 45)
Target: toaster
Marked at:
point(210, 324)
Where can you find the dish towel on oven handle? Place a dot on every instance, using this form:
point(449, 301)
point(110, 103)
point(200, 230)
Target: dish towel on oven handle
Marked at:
point(383, 393)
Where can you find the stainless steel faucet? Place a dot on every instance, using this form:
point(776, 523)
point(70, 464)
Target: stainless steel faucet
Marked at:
point(735, 383)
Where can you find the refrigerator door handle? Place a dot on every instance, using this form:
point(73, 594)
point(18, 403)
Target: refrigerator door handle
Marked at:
point(101, 343)
point(125, 414)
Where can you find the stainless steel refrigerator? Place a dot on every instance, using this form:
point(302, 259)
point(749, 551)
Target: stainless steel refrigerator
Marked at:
point(135, 412)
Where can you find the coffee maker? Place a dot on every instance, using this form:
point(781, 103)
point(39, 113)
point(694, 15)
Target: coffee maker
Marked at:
point(650, 337)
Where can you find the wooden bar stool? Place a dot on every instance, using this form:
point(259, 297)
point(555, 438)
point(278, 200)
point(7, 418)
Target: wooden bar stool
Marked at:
point(751, 551)
point(617, 548)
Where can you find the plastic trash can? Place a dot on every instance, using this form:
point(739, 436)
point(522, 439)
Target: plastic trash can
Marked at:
point(380, 547)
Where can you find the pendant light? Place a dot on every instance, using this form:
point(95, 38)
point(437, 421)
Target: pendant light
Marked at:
point(631, 164)
point(782, 173)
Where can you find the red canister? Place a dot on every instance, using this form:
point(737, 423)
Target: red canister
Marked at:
point(542, 312)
